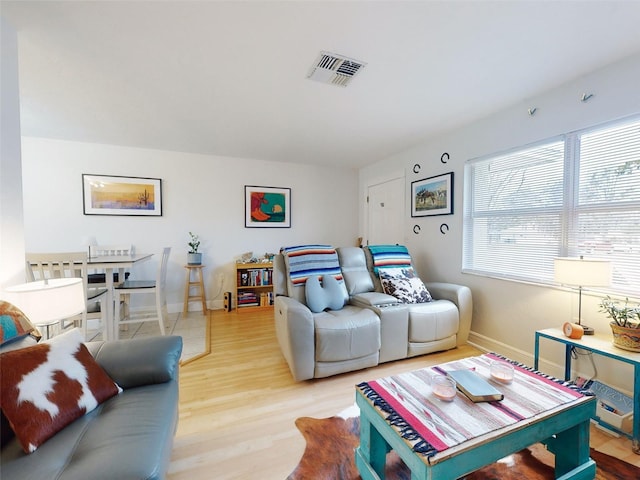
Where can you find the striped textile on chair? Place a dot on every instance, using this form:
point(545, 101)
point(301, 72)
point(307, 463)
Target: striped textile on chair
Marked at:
point(308, 260)
point(389, 256)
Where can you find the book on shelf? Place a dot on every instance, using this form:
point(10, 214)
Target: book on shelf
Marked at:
point(258, 277)
point(247, 299)
point(476, 388)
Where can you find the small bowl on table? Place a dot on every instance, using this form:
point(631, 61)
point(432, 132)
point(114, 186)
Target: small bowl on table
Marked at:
point(443, 387)
point(501, 372)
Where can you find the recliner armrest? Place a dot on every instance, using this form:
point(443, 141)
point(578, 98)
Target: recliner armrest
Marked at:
point(373, 299)
point(141, 361)
point(461, 296)
point(295, 330)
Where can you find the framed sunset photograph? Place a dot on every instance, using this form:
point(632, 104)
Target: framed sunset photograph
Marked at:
point(114, 195)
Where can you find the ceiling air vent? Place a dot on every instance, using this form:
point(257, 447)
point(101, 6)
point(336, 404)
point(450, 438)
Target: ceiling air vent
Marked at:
point(334, 69)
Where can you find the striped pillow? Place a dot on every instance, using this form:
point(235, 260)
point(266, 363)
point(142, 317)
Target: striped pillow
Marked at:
point(14, 324)
point(307, 260)
point(389, 256)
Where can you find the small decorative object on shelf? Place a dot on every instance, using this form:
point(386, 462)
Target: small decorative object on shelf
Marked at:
point(625, 325)
point(254, 284)
point(193, 257)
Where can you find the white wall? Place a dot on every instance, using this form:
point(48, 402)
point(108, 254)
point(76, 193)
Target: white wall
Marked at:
point(203, 194)
point(506, 314)
point(11, 218)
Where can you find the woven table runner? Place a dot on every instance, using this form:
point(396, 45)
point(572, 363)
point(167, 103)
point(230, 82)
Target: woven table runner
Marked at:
point(433, 426)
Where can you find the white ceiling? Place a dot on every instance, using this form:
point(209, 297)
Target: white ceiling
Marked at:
point(229, 78)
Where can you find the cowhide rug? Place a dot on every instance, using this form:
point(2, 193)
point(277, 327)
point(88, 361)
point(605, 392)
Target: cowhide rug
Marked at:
point(331, 442)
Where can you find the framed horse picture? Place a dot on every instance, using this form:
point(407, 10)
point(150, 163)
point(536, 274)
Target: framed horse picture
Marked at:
point(432, 196)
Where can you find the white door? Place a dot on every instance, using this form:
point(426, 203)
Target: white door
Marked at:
point(386, 212)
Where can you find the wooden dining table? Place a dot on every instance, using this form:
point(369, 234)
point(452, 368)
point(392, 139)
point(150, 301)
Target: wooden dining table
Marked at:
point(111, 263)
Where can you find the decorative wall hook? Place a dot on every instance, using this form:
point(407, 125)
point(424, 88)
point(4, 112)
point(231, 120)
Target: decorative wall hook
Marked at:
point(532, 111)
point(586, 96)
point(416, 229)
point(416, 168)
point(444, 228)
point(443, 156)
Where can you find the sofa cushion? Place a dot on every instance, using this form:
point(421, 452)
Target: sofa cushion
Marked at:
point(404, 284)
point(139, 361)
point(47, 386)
point(128, 436)
point(14, 324)
point(346, 334)
point(330, 294)
point(353, 263)
point(433, 321)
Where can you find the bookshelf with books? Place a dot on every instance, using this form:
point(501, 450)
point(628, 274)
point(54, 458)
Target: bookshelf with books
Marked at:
point(254, 286)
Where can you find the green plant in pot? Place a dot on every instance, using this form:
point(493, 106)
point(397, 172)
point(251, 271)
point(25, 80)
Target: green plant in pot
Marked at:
point(194, 257)
point(625, 323)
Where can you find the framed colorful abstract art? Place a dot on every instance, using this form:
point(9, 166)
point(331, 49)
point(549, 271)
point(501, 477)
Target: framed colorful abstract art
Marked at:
point(267, 207)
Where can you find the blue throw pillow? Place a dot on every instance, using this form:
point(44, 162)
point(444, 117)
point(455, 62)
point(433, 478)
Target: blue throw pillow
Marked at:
point(330, 295)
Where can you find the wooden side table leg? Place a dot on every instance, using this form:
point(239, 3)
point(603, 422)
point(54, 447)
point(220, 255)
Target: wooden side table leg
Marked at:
point(185, 309)
point(202, 293)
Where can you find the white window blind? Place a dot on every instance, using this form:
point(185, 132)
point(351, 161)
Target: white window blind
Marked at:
point(513, 212)
point(606, 219)
point(576, 195)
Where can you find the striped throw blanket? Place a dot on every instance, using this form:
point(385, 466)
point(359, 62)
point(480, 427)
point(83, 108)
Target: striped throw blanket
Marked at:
point(308, 260)
point(433, 426)
point(387, 256)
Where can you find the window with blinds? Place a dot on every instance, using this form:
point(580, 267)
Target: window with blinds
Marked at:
point(569, 196)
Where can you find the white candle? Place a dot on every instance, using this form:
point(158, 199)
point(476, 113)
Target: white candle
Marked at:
point(444, 388)
point(502, 372)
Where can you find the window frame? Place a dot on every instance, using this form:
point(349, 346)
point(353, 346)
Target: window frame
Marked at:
point(569, 211)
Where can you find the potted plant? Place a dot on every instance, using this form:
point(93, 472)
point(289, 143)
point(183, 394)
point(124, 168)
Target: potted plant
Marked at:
point(193, 257)
point(625, 323)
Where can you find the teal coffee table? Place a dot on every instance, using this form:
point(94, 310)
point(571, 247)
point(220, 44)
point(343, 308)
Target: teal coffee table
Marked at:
point(447, 440)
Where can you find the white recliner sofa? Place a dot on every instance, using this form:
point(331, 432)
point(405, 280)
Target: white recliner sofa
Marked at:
point(371, 328)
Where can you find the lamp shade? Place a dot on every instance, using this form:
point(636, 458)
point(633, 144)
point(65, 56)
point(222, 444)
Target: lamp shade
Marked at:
point(45, 302)
point(582, 272)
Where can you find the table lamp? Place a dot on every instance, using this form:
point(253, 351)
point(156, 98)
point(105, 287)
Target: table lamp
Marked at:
point(47, 302)
point(582, 272)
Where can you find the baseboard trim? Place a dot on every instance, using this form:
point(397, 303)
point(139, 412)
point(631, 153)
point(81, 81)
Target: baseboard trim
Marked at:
point(488, 344)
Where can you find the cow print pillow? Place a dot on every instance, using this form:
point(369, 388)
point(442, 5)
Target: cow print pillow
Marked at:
point(47, 386)
point(404, 284)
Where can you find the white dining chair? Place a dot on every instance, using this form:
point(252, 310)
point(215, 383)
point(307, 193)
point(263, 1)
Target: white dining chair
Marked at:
point(155, 287)
point(97, 278)
point(41, 266)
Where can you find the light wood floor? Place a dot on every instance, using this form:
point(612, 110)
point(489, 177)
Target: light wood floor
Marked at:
point(239, 403)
